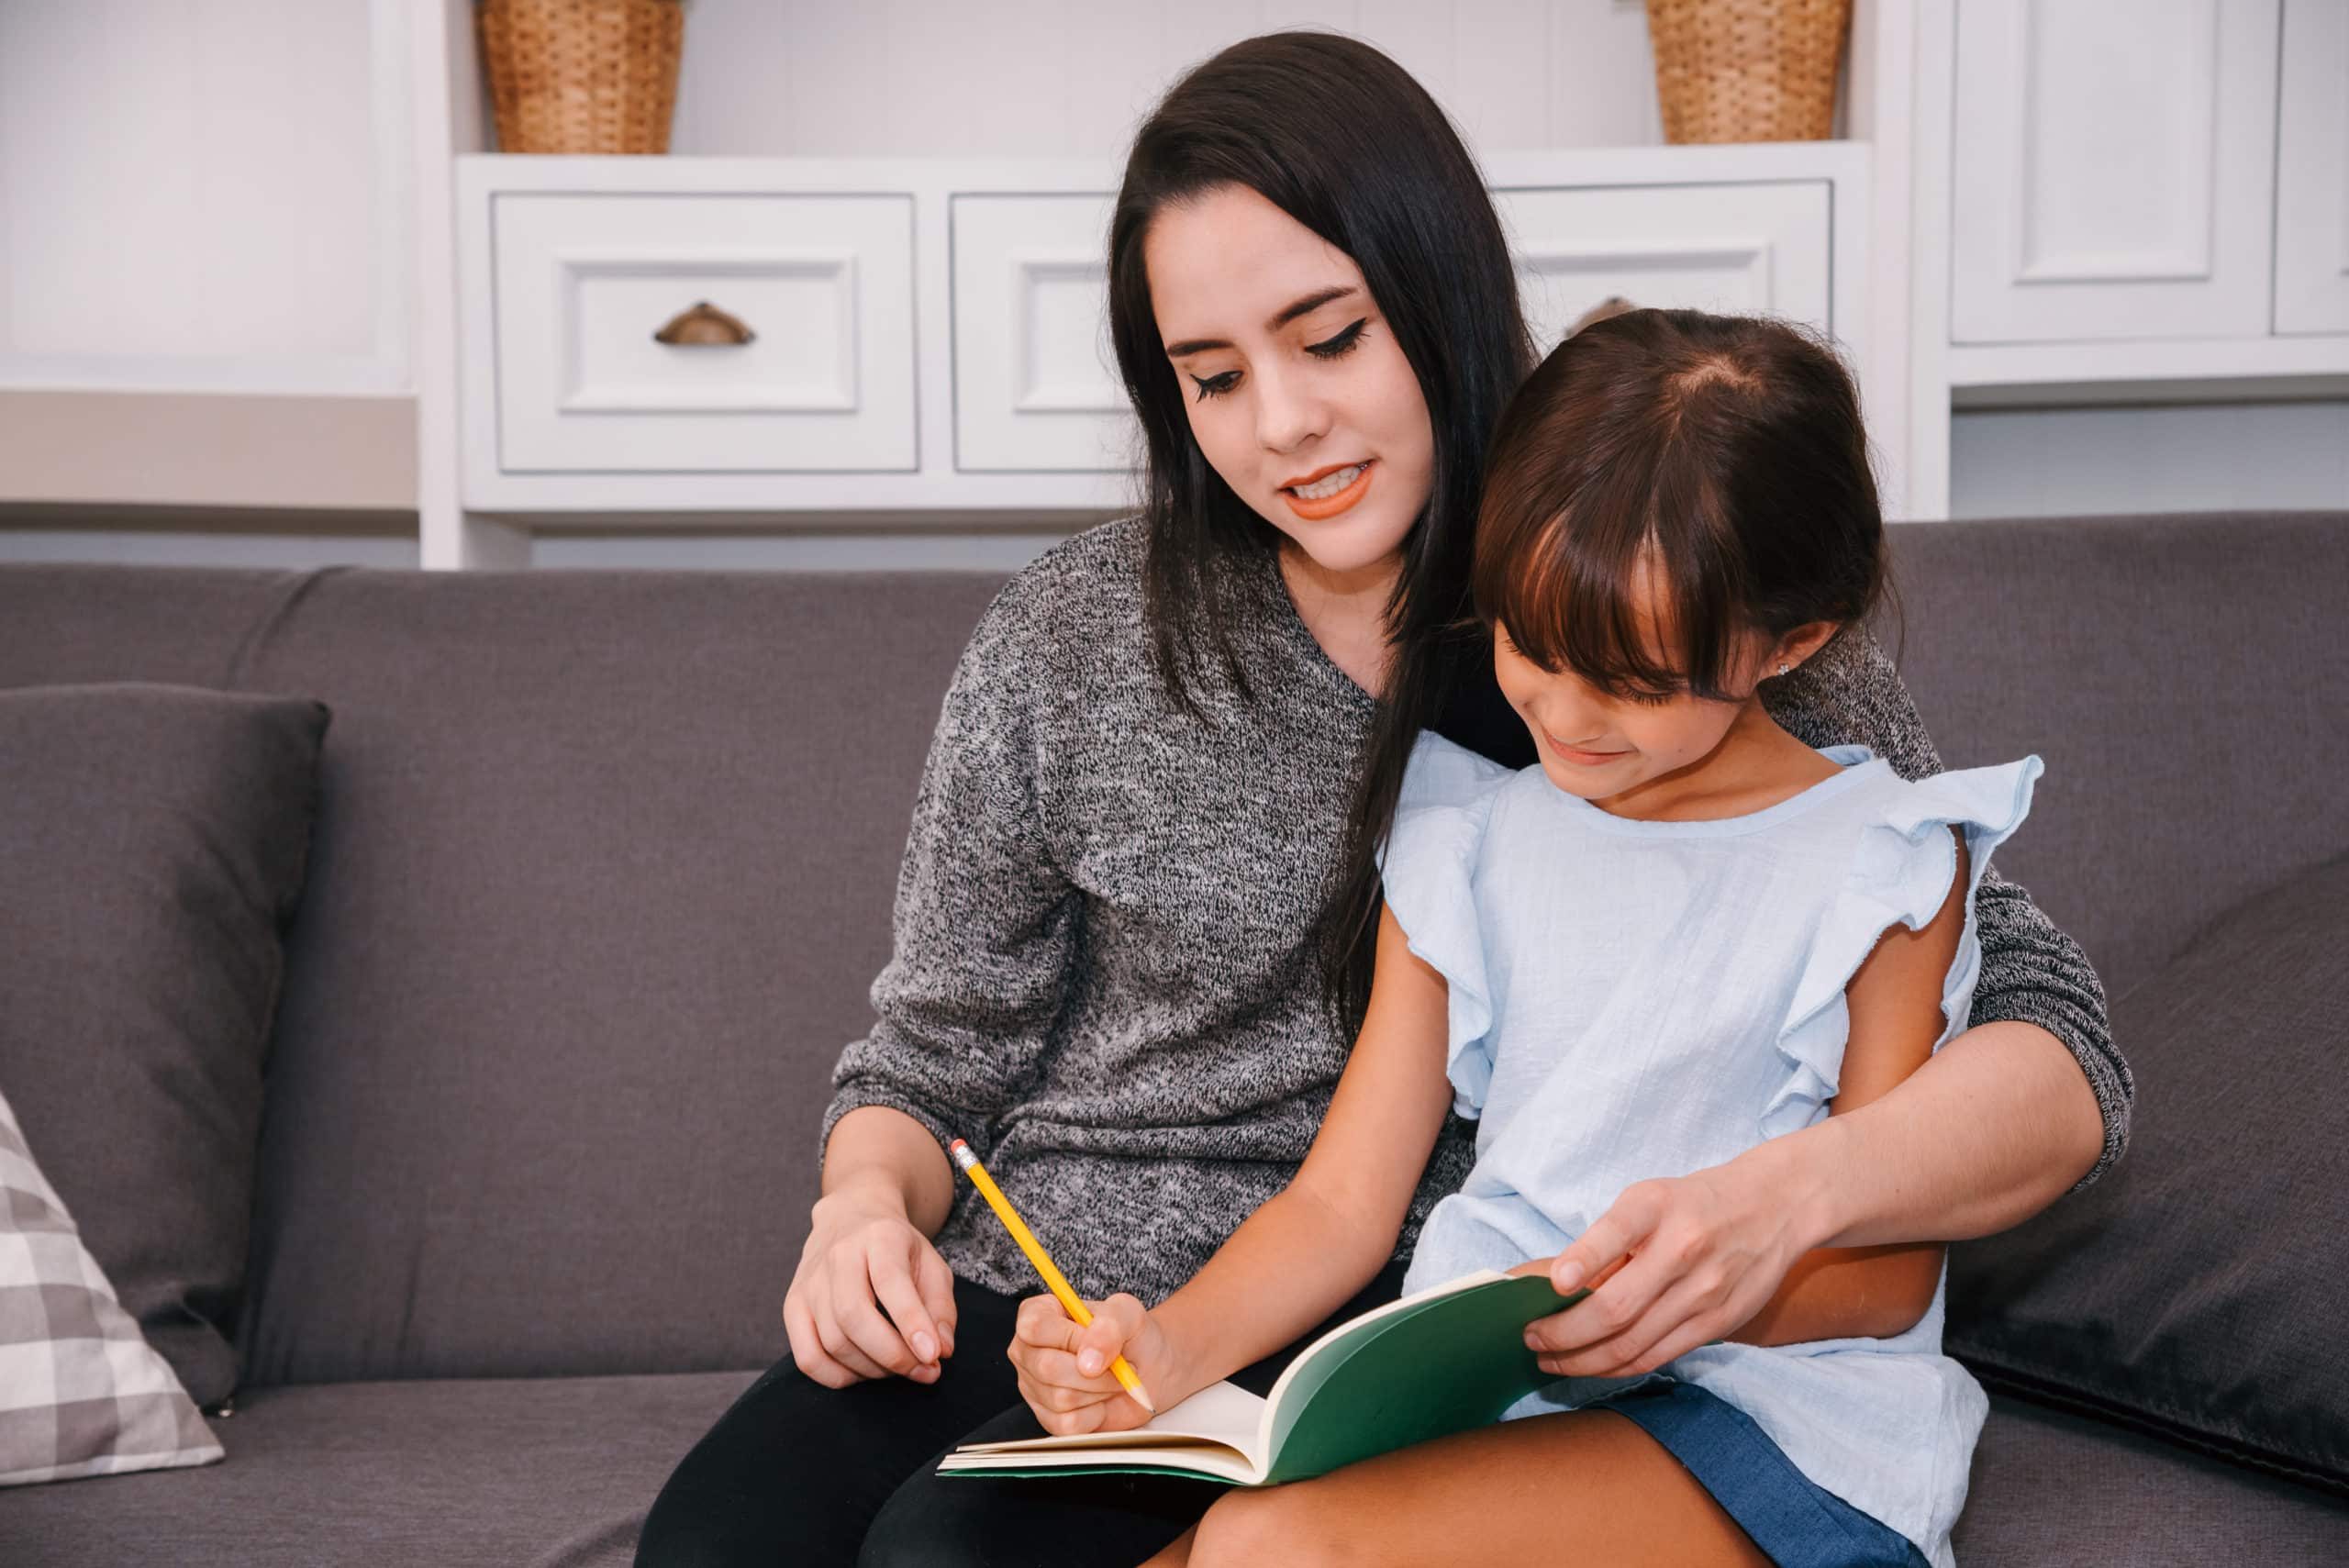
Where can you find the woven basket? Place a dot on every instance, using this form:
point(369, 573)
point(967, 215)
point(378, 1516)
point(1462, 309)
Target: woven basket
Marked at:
point(582, 75)
point(1747, 69)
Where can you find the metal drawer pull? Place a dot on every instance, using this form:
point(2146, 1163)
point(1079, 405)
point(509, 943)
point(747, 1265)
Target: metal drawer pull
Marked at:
point(705, 326)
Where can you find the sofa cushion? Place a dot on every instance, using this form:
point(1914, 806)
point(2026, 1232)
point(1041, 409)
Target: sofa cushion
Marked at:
point(558, 1472)
point(152, 847)
point(601, 881)
point(554, 1473)
point(2196, 1291)
point(81, 1393)
point(2050, 1488)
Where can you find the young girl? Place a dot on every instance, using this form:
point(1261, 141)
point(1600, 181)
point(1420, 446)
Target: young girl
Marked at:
point(1639, 958)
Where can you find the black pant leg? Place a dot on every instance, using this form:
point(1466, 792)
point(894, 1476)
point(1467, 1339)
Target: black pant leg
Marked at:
point(793, 1472)
point(1078, 1522)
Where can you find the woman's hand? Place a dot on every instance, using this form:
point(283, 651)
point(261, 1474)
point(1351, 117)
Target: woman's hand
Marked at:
point(1677, 1263)
point(864, 1257)
point(1064, 1369)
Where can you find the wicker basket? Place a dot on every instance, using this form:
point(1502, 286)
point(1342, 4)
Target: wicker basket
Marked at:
point(582, 75)
point(1747, 69)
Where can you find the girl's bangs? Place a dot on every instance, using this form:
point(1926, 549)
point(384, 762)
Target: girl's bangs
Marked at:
point(1594, 586)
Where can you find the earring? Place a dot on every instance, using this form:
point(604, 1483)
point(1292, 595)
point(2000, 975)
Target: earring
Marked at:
point(1782, 669)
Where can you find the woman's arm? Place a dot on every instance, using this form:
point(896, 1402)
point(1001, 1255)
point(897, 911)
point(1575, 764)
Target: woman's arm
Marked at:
point(1301, 1255)
point(983, 929)
point(2032, 973)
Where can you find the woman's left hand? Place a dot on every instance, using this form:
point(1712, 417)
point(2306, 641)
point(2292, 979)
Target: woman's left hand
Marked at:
point(1679, 1262)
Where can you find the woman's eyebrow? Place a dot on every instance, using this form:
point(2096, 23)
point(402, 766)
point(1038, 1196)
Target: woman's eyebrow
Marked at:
point(1281, 319)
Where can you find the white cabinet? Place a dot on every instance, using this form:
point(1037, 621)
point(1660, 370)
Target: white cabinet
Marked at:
point(1744, 248)
point(2114, 171)
point(806, 363)
point(1036, 387)
point(928, 339)
point(1035, 384)
point(2313, 170)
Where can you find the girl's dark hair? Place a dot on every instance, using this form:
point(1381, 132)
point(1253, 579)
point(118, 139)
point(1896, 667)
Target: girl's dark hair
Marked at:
point(1726, 452)
point(1344, 140)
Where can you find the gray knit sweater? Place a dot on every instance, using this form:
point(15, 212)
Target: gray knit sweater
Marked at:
point(1104, 977)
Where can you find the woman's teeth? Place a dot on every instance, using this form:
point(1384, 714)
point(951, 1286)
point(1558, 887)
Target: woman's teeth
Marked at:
point(1328, 485)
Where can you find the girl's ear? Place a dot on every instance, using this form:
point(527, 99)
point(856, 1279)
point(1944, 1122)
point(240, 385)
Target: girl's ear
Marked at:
point(1802, 642)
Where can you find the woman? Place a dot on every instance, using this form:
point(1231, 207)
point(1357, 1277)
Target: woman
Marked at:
point(1134, 907)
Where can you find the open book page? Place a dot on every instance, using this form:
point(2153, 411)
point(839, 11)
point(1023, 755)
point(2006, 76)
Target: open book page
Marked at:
point(1221, 1413)
point(1223, 1429)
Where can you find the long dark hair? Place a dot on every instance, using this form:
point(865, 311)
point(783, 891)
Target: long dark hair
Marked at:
point(1344, 140)
point(1727, 451)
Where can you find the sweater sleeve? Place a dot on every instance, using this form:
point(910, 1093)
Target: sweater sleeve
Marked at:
point(984, 926)
point(2031, 973)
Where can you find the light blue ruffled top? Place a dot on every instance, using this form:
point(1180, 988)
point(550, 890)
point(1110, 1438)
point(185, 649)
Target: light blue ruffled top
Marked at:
point(1632, 999)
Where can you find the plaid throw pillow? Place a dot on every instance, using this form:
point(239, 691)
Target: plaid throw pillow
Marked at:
point(81, 1393)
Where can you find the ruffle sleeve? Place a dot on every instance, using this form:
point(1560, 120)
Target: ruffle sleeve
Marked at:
point(1900, 873)
point(1429, 868)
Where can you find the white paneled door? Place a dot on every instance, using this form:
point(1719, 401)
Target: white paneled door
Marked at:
point(2313, 170)
point(2114, 169)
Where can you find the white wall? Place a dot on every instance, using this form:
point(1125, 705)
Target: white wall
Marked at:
point(1073, 77)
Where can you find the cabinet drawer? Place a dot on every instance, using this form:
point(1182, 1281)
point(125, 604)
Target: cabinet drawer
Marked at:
point(823, 283)
point(1036, 386)
point(1744, 249)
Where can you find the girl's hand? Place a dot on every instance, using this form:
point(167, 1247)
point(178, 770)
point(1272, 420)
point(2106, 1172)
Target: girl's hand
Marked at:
point(1064, 1370)
point(863, 1257)
point(1677, 1263)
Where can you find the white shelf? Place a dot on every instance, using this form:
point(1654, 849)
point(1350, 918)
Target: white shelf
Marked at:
point(2164, 370)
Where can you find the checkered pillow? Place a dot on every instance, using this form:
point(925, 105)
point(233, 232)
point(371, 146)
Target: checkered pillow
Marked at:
point(81, 1393)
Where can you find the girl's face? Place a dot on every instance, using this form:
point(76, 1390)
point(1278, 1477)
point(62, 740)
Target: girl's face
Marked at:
point(1297, 393)
point(1612, 748)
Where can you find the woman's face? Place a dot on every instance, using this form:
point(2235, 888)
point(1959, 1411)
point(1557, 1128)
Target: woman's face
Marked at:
point(1297, 393)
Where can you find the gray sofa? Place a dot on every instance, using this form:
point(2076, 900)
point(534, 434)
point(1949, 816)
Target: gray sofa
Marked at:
point(602, 869)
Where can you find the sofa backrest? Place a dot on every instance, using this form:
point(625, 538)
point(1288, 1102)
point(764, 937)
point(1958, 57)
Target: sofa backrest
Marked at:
point(604, 864)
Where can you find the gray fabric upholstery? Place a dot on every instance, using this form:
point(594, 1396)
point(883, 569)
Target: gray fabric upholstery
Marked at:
point(557, 1472)
point(2198, 1290)
point(548, 1473)
point(2052, 1490)
point(602, 874)
point(2183, 677)
point(152, 848)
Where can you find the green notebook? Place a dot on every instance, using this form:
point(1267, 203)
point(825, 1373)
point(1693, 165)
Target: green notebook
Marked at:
point(1444, 1361)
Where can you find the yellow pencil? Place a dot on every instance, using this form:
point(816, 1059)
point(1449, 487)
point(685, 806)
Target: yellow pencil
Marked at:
point(1053, 1280)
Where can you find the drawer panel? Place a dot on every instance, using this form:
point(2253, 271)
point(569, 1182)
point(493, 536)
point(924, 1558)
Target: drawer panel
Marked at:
point(822, 286)
point(1036, 386)
point(1747, 249)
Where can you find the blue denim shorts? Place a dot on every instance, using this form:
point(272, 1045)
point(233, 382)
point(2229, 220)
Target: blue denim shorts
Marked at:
point(1800, 1523)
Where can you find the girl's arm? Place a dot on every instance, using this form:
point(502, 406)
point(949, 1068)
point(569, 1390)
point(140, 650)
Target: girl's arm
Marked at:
point(1895, 1002)
point(1308, 1250)
point(1302, 1254)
